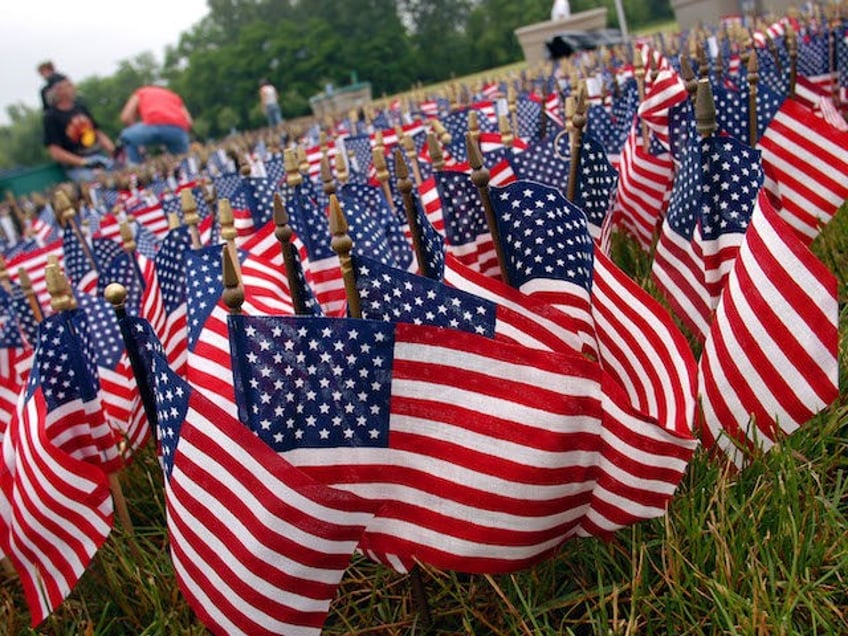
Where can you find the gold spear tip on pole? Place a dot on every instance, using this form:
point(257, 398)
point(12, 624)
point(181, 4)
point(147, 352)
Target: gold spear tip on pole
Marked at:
point(115, 294)
point(400, 165)
point(475, 157)
point(338, 222)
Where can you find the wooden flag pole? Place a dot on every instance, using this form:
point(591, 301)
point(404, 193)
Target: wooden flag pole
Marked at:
point(480, 178)
point(189, 206)
point(412, 156)
point(512, 105)
point(233, 294)
point(342, 244)
point(437, 160)
point(129, 245)
point(327, 180)
point(342, 173)
point(578, 120)
point(404, 184)
point(228, 230)
point(543, 117)
point(705, 111)
point(792, 48)
point(283, 233)
point(753, 78)
point(688, 76)
point(29, 293)
point(293, 176)
point(379, 160)
point(639, 74)
point(5, 281)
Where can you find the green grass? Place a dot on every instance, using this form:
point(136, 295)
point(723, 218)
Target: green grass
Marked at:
point(764, 551)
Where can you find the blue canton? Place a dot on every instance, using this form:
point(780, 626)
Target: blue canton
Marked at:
point(543, 235)
point(393, 295)
point(313, 382)
point(170, 268)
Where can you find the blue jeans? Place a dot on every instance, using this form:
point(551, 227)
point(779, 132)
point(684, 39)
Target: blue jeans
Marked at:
point(272, 112)
point(83, 174)
point(174, 138)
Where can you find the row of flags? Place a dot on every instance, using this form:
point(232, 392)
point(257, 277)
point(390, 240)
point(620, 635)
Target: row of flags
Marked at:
point(287, 442)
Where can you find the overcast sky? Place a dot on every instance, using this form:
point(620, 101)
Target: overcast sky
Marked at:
point(82, 38)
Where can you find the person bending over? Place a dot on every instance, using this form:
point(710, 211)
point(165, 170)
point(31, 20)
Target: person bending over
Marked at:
point(154, 116)
point(71, 133)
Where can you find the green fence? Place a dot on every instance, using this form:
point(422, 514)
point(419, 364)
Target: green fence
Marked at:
point(21, 181)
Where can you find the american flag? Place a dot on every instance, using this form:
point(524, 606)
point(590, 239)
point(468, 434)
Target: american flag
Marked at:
point(311, 226)
point(19, 305)
point(731, 112)
point(483, 469)
point(770, 361)
point(258, 547)
point(57, 509)
point(644, 185)
point(12, 349)
point(596, 183)
point(466, 231)
point(805, 162)
point(227, 184)
point(527, 113)
point(368, 213)
point(769, 76)
point(548, 249)
point(642, 349)
point(79, 262)
point(119, 395)
point(266, 292)
point(819, 101)
point(392, 295)
point(546, 161)
point(661, 94)
point(33, 263)
point(457, 125)
point(714, 194)
point(814, 60)
point(358, 149)
point(154, 217)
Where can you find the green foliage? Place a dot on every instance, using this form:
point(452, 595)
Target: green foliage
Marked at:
point(21, 141)
point(106, 96)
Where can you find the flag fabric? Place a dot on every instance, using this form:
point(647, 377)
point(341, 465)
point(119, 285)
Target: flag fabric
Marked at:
point(258, 547)
point(596, 183)
point(79, 262)
point(642, 349)
point(34, 263)
point(548, 249)
point(644, 185)
point(805, 161)
point(467, 233)
point(57, 510)
point(323, 274)
point(482, 458)
point(546, 161)
point(392, 295)
point(770, 361)
point(714, 194)
point(13, 349)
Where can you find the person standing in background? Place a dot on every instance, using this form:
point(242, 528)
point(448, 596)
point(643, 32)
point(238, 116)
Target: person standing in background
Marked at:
point(46, 70)
point(154, 115)
point(561, 10)
point(270, 102)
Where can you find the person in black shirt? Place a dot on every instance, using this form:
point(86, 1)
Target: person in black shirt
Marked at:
point(71, 134)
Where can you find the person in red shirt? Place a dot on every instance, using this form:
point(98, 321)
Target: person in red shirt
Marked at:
point(154, 116)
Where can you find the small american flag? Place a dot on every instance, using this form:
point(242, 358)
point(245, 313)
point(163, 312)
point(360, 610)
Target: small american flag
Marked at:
point(56, 509)
point(805, 162)
point(369, 407)
point(229, 497)
point(770, 360)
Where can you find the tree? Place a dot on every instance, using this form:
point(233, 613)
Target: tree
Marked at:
point(21, 142)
